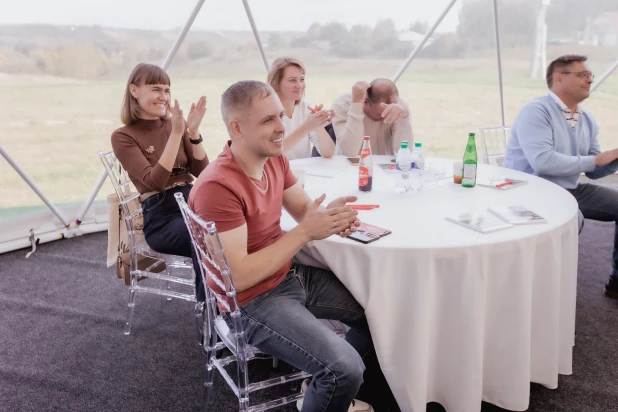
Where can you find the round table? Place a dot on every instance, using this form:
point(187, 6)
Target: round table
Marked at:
point(456, 316)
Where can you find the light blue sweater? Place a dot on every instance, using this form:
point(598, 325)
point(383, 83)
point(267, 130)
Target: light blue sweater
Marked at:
point(544, 144)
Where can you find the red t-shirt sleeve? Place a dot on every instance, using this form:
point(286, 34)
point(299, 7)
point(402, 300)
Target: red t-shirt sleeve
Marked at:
point(289, 179)
point(217, 203)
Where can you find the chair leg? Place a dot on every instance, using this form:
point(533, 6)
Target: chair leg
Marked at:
point(210, 373)
point(275, 363)
point(209, 342)
point(243, 404)
point(199, 319)
point(295, 385)
point(206, 398)
point(243, 378)
point(168, 272)
point(130, 310)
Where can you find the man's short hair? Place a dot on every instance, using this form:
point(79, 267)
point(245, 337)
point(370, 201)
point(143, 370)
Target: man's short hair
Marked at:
point(383, 92)
point(239, 97)
point(560, 63)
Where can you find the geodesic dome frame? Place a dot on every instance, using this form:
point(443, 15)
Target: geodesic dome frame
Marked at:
point(58, 223)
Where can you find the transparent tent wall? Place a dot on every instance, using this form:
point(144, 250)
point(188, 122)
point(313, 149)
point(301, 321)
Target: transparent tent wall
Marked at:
point(62, 87)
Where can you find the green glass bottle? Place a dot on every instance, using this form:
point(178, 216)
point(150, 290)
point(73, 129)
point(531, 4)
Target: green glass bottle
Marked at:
point(470, 163)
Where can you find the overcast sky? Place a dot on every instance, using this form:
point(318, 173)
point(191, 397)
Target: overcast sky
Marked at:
point(226, 14)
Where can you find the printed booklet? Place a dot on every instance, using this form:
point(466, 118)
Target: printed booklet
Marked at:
point(516, 215)
point(483, 222)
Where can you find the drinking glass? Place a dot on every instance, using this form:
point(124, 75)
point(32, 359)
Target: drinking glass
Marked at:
point(434, 173)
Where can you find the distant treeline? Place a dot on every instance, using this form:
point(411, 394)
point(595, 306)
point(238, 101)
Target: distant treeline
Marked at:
point(89, 52)
point(94, 51)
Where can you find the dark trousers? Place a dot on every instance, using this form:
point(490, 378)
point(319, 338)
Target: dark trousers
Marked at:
point(599, 203)
point(165, 229)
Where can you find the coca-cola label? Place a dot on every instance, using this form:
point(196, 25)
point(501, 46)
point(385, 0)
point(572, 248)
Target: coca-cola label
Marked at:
point(365, 152)
point(363, 176)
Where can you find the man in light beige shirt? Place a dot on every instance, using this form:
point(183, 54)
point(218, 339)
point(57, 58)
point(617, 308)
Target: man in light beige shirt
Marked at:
point(375, 110)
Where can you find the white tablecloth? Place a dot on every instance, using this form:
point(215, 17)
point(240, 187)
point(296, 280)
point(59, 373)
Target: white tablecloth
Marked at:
point(457, 316)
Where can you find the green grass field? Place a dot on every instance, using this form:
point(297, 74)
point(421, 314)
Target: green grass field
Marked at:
point(53, 129)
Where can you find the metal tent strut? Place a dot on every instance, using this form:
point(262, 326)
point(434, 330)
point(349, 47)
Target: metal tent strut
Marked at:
point(93, 195)
point(433, 28)
point(419, 47)
point(499, 60)
point(256, 33)
point(604, 76)
point(34, 187)
point(182, 35)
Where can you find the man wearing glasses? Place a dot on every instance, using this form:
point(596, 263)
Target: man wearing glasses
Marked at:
point(555, 138)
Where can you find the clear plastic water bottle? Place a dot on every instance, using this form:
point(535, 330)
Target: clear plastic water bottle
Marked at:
point(417, 168)
point(420, 162)
point(404, 163)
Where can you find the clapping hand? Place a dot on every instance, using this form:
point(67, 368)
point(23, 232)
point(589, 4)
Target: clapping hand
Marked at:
point(178, 122)
point(318, 118)
point(320, 223)
point(393, 112)
point(196, 114)
point(315, 109)
point(341, 202)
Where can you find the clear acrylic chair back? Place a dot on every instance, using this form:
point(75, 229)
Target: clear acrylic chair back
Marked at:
point(493, 144)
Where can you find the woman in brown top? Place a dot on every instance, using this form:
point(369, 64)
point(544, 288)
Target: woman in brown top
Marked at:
point(162, 153)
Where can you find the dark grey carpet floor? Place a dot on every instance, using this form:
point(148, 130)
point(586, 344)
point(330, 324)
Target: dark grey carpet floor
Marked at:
point(62, 346)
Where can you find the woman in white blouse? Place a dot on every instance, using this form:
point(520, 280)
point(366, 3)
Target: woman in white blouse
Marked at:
point(304, 125)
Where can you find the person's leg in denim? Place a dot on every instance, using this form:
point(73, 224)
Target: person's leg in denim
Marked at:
point(283, 323)
point(601, 203)
point(166, 232)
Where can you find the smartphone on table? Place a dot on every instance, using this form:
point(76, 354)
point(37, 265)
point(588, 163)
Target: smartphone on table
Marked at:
point(367, 233)
point(353, 161)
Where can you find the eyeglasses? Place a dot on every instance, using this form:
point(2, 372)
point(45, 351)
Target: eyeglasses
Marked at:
point(582, 75)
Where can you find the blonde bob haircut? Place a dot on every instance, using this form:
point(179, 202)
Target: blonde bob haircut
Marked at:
point(275, 74)
point(143, 73)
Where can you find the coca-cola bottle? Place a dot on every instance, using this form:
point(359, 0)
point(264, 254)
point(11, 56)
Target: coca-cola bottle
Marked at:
point(365, 167)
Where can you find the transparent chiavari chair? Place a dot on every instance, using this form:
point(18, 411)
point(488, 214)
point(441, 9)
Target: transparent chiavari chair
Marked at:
point(214, 267)
point(170, 269)
point(493, 141)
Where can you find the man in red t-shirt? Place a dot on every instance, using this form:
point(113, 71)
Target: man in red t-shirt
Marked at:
point(243, 191)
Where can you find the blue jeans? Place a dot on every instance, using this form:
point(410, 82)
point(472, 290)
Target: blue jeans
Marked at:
point(284, 323)
point(165, 229)
point(600, 203)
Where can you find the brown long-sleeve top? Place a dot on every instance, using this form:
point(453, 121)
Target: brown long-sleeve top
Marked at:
point(138, 147)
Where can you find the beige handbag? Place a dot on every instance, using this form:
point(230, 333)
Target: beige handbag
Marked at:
point(118, 245)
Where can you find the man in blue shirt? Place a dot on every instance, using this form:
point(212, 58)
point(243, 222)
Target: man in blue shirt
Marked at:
point(555, 138)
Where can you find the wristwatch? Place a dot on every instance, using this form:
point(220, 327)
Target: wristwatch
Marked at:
point(196, 141)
